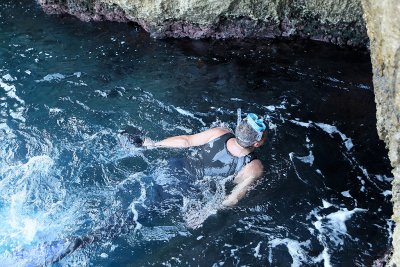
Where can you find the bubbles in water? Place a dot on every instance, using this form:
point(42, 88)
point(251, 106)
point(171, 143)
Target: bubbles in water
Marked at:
point(197, 209)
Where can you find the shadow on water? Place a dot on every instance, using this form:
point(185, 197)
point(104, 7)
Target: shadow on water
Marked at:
point(67, 88)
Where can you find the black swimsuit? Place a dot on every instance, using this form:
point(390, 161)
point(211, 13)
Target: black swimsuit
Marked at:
point(214, 159)
point(179, 176)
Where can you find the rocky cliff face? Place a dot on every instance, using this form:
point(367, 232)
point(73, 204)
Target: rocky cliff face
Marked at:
point(335, 21)
point(383, 24)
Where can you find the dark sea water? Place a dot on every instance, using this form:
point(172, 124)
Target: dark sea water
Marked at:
point(67, 88)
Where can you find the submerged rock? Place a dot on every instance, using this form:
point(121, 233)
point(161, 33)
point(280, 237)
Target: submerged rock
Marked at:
point(383, 24)
point(338, 22)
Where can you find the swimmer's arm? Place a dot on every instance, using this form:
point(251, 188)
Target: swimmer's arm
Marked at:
point(243, 180)
point(182, 141)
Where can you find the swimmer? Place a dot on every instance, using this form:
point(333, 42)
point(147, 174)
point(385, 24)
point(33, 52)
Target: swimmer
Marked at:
point(224, 154)
point(221, 153)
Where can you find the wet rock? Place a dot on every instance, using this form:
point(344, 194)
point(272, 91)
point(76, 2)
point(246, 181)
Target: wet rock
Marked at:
point(383, 24)
point(85, 10)
point(338, 22)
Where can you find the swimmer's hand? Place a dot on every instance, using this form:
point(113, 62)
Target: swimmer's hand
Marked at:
point(134, 135)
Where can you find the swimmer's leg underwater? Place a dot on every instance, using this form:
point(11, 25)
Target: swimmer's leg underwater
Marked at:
point(119, 224)
point(49, 253)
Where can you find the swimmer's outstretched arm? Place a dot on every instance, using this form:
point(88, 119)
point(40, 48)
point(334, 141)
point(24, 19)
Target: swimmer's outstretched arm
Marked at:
point(182, 141)
point(243, 180)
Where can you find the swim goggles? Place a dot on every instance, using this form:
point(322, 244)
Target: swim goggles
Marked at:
point(254, 121)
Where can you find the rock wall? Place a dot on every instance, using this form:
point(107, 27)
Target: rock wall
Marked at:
point(383, 24)
point(335, 21)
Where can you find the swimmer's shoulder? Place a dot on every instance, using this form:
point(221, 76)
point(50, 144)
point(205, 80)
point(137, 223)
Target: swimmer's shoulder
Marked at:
point(217, 132)
point(206, 136)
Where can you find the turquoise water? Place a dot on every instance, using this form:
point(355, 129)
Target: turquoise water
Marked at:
point(67, 88)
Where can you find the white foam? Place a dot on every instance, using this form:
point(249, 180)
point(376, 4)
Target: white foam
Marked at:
point(291, 155)
point(161, 233)
point(23, 225)
point(324, 256)
point(330, 129)
point(82, 105)
point(18, 114)
point(6, 87)
point(332, 227)
point(307, 159)
point(271, 125)
point(16, 176)
point(302, 124)
point(184, 112)
point(50, 77)
point(334, 80)
point(295, 249)
point(30, 227)
point(390, 225)
point(348, 143)
point(337, 220)
point(189, 114)
point(326, 204)
point(346, 194)
point(387, 193)
point(186, 130)
point(9, 78)
point(77, 83)
point(101, 93)
point(197, 210)
point(270, 108)
point(282, 105)
point(10, 91)
point(383, 178)
point(364, 86)
point(257, 250)
point(55, 110)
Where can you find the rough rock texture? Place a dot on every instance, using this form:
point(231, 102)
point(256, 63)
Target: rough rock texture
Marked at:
point(383, 24)
point(335, 21)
